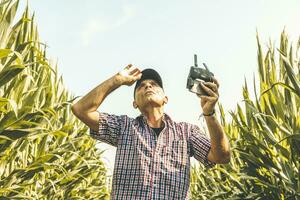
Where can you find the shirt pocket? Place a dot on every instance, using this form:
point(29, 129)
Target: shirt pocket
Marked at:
point(178, 151)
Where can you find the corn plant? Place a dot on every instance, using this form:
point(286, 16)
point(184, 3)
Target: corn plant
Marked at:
point(45, 152)
point(264, 135)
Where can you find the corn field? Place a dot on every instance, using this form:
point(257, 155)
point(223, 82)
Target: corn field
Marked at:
point(45, 152)
point(264, 135)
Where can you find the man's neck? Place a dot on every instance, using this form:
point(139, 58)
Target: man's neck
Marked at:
point(154, 117)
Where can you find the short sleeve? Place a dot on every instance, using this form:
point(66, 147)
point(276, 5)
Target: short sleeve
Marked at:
point(200, 146)
point(110, 127)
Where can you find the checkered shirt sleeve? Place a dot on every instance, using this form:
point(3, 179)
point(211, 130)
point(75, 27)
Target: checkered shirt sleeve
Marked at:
point(110, 127)
point(200, 146)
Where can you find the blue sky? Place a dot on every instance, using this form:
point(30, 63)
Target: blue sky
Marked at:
point(92, 40)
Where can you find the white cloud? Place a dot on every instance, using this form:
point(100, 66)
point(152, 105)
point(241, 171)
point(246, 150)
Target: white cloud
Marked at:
point(96, 25)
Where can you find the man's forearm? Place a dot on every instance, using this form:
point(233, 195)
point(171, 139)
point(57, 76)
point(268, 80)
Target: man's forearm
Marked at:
point(91, 101)
point(219, 143)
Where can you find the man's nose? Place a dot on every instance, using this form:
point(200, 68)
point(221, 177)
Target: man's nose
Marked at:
point(148, 85)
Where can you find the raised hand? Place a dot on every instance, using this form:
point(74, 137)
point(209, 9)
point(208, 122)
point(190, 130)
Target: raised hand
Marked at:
point(208, 102)
point(129, 75)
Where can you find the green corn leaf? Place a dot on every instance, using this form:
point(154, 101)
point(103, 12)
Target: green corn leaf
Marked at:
point(4, 2)
point(15, 134)
point(291, 75)
point(4, 53)
point(8, 74)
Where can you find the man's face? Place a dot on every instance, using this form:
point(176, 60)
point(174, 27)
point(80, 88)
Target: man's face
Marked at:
point(149, 93)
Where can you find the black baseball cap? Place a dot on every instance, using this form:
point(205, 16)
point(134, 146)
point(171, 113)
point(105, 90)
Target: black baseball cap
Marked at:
point(149, 74)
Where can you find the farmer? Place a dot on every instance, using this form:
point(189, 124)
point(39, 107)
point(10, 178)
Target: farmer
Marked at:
point(153, 151)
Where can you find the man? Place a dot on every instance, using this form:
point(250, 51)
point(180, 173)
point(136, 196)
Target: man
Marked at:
point(153, 151)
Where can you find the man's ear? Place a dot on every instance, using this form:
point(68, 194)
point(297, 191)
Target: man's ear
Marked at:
point(166, 99)
point(134, 105)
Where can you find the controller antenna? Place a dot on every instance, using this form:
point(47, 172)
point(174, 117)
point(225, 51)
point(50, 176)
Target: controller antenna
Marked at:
point(195, 60)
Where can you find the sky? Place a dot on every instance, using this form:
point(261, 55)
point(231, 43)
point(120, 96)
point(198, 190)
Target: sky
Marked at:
point(92, 40)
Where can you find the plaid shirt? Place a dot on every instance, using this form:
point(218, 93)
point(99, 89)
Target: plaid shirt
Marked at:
point(147, 166)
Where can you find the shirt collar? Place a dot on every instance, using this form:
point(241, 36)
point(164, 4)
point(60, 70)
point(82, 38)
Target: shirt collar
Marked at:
point(166, 119)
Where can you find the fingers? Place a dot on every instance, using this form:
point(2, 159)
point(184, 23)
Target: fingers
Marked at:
point(137, 75)
point(211, 86)
point(211, 89)
point(131, 70)
point(134, 71)
point(128, 66)
point(216, 82)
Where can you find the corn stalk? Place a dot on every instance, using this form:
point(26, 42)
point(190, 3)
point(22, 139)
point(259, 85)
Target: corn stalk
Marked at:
point(45, 152)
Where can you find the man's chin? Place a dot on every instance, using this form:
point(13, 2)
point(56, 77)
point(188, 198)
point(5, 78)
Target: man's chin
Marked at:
point(154, 102)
